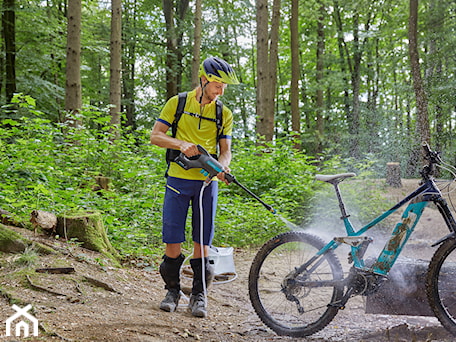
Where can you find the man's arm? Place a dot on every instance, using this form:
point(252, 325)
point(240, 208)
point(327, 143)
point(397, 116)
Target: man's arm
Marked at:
point(224, 157)
point(159, 137)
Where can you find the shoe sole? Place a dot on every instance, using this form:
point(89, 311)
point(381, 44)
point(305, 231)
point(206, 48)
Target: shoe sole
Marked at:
point(168, 308)
point(199, 314)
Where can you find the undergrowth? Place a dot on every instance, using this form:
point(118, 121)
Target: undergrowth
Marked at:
point(53, 167)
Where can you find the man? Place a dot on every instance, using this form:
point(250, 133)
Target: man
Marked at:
point(196, 126)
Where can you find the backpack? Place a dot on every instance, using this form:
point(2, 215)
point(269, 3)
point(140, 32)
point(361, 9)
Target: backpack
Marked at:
point(171, 154)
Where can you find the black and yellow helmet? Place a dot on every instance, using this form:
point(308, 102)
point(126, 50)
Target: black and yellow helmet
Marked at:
point(216, 69)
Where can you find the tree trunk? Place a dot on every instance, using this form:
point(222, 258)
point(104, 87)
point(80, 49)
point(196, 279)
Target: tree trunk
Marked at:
point(9, 37)
point(267, 56)
point(171, 48)
point(173, 43)
point(434, 72)
point(422, 120)
point(319, 78)
point(344, 56)
point(295, 73)
point(196, 60)
point(128, 64)
point(73, 95)
point(353, 121)
point(115, 89)
point(393, 174)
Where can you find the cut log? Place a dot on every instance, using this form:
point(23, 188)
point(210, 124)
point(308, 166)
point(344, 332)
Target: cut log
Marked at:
point(89, 230)
point(8, 219)
point(12, 242)
point(393, 175)
point(44, 220)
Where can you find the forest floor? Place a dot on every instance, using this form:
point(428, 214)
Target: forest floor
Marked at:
point(124, 304)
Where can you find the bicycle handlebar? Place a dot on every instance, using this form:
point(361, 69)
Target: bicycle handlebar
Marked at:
point(434, 159)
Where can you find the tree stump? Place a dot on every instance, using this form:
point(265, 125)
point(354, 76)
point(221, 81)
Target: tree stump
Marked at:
point(393, 174)
point(88, 229)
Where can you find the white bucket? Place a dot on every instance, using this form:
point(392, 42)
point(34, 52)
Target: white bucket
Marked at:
point(222, 258)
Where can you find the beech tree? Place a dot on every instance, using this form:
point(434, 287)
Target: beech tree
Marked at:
point(115, 64)
point(197, 18)
point(422, 120)
point(267, 59)
point(73, 95)
point(9, 38)
point(174, 12)
point(295, 72)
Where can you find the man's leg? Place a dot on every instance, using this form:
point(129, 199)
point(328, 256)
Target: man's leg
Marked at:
point(197, 304)
point(175, 207)
point(170, 273)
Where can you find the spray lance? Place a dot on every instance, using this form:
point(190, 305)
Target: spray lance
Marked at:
point(210, 167)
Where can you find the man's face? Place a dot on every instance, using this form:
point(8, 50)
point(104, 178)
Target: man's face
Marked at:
point(213, 90)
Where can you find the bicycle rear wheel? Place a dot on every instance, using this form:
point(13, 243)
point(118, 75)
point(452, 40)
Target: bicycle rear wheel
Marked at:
point(441, 285)
point(290, 293)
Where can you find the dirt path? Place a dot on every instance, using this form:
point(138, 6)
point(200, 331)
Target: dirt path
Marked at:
point(128, 310)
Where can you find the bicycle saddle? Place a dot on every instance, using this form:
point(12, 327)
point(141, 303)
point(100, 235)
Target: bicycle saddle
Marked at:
point(332, 178)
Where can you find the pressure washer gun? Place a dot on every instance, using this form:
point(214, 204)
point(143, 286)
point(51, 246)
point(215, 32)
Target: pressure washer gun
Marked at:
point(210, 167)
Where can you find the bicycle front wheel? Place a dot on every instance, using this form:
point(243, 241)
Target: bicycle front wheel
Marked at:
point(293, 291)
point(441, 285)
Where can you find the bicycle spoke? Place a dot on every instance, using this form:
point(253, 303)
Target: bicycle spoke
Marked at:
point(293, 289)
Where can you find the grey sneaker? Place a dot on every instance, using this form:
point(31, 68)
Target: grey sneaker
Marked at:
point(197, 305)
point(171, 300)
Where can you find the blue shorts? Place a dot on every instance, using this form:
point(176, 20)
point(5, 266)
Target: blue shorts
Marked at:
point(179, 194)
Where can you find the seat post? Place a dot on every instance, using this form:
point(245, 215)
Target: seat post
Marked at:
point(341, 202)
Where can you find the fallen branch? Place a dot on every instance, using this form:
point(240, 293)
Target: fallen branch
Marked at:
point(56, 270)
point(101, 284)
point(45, 289)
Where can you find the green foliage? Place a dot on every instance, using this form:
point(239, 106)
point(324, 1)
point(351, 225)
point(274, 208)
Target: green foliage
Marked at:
point(54, 167)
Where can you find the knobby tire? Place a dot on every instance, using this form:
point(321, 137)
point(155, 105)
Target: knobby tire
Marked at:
point(441, 284)
point(308, 309)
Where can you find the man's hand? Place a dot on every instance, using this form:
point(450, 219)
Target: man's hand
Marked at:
point(221, 175)
point(189, 149)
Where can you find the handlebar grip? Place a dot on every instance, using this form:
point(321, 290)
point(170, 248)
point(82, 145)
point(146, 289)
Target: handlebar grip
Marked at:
point(426, 147)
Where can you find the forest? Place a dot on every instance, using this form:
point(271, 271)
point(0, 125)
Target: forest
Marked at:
point(326, 86)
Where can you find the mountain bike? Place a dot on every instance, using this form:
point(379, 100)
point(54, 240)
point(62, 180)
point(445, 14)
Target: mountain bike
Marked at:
point(297, 284)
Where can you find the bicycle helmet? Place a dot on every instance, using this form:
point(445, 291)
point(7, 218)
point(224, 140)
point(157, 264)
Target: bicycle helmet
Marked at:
point(216, 69)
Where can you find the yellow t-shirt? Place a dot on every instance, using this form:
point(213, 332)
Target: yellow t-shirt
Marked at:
point(196, 130)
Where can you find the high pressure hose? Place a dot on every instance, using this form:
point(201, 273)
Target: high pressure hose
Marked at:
point(203, 268)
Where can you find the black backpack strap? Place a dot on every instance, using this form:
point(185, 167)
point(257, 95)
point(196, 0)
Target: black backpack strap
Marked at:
point(171, 154)
point(219, 118)
point(182, 99)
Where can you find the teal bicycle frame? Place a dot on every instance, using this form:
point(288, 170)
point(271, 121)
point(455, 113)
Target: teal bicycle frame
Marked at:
point(419, 199)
